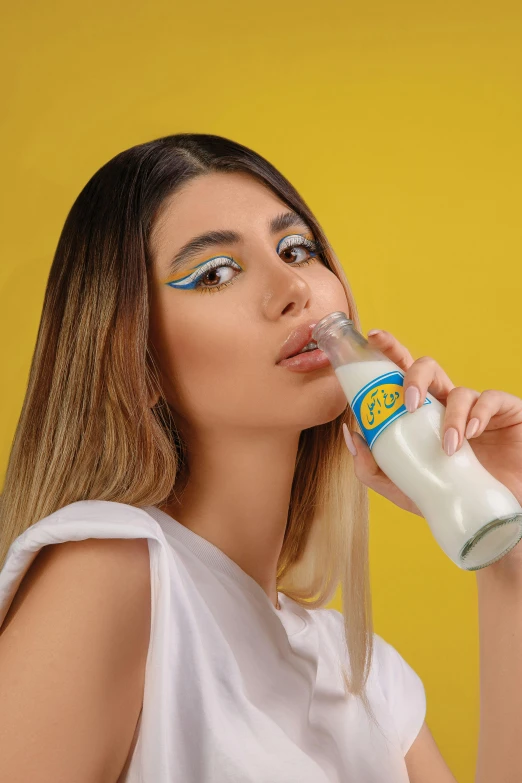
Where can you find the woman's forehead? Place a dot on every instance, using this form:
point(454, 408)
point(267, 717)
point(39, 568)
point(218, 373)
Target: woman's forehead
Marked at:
point(216, 201)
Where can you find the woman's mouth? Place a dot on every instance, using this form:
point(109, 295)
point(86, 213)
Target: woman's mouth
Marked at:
point(306, 361)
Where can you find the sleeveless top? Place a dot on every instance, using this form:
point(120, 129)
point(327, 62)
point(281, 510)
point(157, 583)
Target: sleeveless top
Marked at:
point(237, 691)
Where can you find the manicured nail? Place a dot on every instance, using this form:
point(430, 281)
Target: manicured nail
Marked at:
point(412, 398)
point(374, 331)
point(472, 427)
point(349, 441)
point(451, 439)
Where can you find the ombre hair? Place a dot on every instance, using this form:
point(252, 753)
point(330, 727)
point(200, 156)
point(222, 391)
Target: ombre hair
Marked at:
point(86, 429)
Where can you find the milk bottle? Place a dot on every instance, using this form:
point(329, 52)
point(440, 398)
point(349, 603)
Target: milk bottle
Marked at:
point(474, 518)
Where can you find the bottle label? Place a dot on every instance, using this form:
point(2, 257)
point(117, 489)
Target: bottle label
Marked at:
point(380, 403)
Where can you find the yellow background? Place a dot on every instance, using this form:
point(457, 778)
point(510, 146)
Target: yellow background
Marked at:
point(399, 122)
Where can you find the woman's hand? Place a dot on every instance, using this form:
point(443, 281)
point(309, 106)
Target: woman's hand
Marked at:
point(497, 441)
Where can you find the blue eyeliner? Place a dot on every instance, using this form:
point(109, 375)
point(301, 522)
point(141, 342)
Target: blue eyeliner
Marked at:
point(292, 240)
point(191, 281)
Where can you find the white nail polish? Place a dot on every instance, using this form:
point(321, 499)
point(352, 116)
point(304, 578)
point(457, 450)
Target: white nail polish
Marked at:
point(349, 441)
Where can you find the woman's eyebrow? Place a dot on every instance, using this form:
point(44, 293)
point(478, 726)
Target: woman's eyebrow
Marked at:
point(212, 238)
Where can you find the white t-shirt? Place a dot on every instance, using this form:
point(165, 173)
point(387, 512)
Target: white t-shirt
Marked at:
point(237, 691)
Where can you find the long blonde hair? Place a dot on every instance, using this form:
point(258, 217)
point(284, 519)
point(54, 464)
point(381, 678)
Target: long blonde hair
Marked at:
point(86, 430)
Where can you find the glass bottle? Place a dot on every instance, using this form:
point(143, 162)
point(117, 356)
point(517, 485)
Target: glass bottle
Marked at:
point(474, 518)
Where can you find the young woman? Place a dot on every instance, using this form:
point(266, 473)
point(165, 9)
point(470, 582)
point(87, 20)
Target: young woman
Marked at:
point(179, 505)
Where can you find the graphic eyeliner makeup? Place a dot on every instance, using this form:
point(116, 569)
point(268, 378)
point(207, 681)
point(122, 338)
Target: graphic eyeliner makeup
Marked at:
point(289, 242)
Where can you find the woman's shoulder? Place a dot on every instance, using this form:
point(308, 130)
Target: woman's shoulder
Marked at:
point(393, 677)
point(75, 623)
point(78, 521)
point(89, 519)
point(100, 510)
point(386, 658)
point(388, 665)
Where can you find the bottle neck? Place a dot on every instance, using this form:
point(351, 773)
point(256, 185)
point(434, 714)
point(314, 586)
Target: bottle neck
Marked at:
point(331, 325)
point(338, 338)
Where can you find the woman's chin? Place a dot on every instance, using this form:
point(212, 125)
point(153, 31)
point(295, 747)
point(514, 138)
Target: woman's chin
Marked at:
point(327, 409)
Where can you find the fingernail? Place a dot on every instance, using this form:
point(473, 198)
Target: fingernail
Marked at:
point(451, 439)
point(374, 331)
point(472, 427)
point(411, 398)
point(349, 441)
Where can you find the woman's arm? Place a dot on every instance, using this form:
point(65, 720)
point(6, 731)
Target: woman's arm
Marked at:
point(499, 758)
point(499, 588)
point(424, 761)
point(73, 648)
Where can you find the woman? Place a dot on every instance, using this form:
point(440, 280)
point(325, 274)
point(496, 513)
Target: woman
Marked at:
point(179, 506)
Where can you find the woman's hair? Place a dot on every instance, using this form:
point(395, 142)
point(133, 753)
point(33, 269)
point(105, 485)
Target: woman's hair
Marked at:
point(86, 430)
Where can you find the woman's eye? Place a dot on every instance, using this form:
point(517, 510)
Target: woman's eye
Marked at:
point(212, 271)
point(217, 272)
point(297, 248)
point(217, 275)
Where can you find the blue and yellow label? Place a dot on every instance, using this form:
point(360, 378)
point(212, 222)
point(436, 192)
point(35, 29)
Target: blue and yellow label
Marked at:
point(379, 403)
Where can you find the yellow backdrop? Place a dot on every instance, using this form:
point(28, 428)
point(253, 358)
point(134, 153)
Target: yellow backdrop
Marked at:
point(399, 122)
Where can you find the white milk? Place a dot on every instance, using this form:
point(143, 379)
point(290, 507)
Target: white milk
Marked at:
point(456, 495)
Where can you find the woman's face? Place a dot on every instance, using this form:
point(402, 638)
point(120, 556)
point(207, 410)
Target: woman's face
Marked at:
point(218, 348)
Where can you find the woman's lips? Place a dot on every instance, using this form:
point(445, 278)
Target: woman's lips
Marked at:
point(307, 361)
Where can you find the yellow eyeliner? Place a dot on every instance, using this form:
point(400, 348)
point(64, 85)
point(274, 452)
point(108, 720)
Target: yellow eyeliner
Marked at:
point(186, 273)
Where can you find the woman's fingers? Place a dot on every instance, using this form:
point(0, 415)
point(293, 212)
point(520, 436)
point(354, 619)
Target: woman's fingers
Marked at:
point(394, 350)
point(459, 404)
point(424, 373)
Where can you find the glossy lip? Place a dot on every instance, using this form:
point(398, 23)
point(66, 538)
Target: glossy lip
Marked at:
point(296, 341)
point(306, 362)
